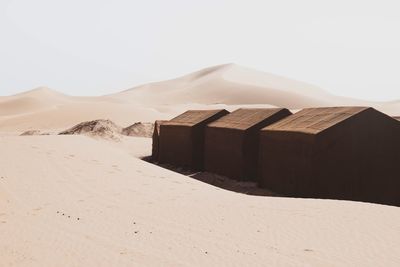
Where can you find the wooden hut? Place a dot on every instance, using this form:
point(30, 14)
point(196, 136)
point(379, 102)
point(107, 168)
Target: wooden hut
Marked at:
point(181, 140)
point(231, 144)
point(350, 153)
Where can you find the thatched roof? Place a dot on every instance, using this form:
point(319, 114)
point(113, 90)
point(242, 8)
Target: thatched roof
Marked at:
point(193, 117)
point(315, 120)
point(245, 118)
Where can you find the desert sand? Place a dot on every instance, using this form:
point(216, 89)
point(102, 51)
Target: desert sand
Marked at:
point(226, 86)
point(86, 198)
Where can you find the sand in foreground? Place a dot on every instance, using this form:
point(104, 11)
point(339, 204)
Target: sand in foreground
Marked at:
point(76, 201)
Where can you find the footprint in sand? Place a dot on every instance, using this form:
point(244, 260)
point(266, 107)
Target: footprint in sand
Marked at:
point(115, 167)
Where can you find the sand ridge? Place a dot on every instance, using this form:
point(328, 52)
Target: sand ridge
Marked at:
point(110, 130)
point(226, 86)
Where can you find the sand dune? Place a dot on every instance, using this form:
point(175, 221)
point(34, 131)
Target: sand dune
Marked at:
point(96, 128)
point(233, 85)
point(33, 132)
point(36, 100)
point(47, 110)
point(227, 86)
point(108, 129)
point(139, 129)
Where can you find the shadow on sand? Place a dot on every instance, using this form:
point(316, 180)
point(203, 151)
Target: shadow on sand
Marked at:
point(248, 188)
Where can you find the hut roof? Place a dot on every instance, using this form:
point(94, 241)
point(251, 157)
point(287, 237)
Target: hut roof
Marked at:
point(315, 120)
point(193, 117)
point(244, 118)
point(397, 118)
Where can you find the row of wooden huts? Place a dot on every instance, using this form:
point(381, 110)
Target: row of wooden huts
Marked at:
point(350, 153)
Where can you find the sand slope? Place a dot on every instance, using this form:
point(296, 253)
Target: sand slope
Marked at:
point(46, 109)
point(232, 84)
point(226, 86)
point(132, 213)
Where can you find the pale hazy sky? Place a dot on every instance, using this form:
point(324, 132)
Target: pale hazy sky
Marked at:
point(92, 47)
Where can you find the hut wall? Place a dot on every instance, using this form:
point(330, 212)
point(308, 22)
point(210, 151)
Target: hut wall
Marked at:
point(357, 159)
point(250, 154)
point(198, 136)
point(233, 151)
point(285, 163)
point(223, 152)
point(252, 144)
point(183, 145)
point(176, 145)
point(363, 164)
point(156, 140)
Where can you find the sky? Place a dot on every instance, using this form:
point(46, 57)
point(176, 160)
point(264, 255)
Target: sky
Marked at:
point(94, 47)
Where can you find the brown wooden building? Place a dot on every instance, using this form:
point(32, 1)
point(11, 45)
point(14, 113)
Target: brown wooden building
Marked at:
point(181, 140)
point(231, 144)
point(350, 153)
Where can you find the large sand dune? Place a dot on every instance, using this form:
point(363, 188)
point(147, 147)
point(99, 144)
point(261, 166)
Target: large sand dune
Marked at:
point(233, 85)
point(226, 86)
point(73, 200)
point(46, 109)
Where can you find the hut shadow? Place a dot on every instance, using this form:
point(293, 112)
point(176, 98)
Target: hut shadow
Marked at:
point(248, 188)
